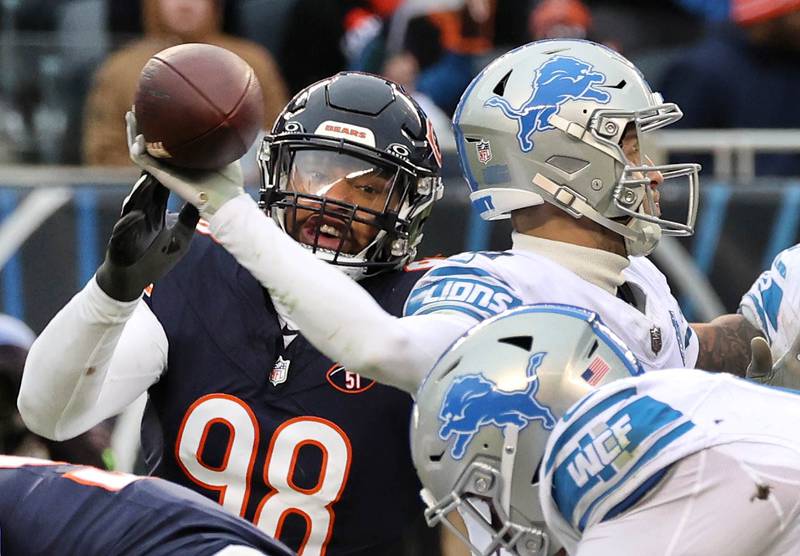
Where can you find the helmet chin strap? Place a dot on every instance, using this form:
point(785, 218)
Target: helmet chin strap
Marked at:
point(641, 237)
point(645, 242)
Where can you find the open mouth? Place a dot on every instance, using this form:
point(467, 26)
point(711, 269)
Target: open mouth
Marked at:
point(333, 233)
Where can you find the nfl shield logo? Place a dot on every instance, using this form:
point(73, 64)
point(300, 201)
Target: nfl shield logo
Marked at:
point(484, 151)
point(655, 339)
point(280, 371)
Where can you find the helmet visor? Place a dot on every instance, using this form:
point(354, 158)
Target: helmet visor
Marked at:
point(339, 202)
point(342, 177)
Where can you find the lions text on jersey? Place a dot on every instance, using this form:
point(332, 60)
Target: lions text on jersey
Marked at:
point(483, 284)
point(617, 443)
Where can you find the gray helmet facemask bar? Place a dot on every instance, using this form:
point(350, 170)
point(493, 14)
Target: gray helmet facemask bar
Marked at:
point(633, 192)
point(482, 494)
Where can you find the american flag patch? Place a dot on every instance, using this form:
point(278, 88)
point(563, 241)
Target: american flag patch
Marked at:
point(596, 371)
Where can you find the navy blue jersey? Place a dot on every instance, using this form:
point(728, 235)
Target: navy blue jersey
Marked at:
point(251, 415)
point(52, 508)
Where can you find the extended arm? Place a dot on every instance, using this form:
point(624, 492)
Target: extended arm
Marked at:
point(334, 313)
point(94, 358)
point(725, 344)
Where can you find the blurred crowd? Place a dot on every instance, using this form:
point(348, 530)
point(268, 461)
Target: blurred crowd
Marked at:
point(70, 66)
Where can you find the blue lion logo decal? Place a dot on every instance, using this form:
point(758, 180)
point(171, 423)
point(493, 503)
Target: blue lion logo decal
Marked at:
point(473, 402)
point(554, 83)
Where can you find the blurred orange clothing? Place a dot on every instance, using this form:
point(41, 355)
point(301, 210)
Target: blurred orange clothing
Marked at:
point(114, 86)
point(462, 34)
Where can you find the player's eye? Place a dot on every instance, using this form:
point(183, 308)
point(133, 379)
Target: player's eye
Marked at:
point(367, 188)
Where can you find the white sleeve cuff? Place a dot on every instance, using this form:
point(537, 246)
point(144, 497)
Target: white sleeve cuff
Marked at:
point(105, 308)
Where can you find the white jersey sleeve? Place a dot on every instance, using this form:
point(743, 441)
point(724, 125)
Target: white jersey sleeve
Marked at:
point(94, 358)
point(772, 304)
point(616, 443)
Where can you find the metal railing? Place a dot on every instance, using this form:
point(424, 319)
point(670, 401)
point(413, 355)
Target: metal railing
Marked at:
point(733, 150)
point(83, 202)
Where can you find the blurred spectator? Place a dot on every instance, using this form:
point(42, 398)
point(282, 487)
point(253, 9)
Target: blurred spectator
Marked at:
point(712, 10)
point(565, 19)
point(403, 69)
point(363, 42)
point(744, 76)
point(644, 27)
point(89, 448)
point(559, 19)
point(166, 23)
point(466, 35)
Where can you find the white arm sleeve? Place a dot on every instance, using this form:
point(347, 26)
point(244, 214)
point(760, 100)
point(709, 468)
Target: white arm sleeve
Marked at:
point(332, 311)
point(94, 358)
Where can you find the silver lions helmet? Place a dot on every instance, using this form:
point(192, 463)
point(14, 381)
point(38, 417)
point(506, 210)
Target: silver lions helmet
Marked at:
point(484, 413)
point(545, 123)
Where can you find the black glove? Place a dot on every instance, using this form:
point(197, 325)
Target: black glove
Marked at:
point(142, 248)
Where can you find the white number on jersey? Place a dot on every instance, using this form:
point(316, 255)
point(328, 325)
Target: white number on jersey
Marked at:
point(232, 478)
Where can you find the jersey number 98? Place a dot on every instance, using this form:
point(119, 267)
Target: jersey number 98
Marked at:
point(232, 477)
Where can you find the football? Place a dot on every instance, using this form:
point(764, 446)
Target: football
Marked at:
point(198, 106)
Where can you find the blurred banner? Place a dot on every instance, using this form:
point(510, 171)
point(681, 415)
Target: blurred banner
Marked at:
point(56, 221)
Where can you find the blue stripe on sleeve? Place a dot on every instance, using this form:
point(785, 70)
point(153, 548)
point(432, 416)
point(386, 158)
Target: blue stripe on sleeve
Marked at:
point(637, 494)
point(761, 316)
point(596, 460)
point(772, 297)
point(571, 430)
point(654, 450)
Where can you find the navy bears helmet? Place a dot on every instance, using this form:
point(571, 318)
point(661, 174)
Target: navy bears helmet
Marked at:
point(351, 170)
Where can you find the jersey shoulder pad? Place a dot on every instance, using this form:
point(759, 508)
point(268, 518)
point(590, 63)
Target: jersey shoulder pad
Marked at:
point(391, 289)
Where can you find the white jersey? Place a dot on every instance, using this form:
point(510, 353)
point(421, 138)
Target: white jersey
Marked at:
point(617, 442)
point(483, 284)
point(772, 303)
